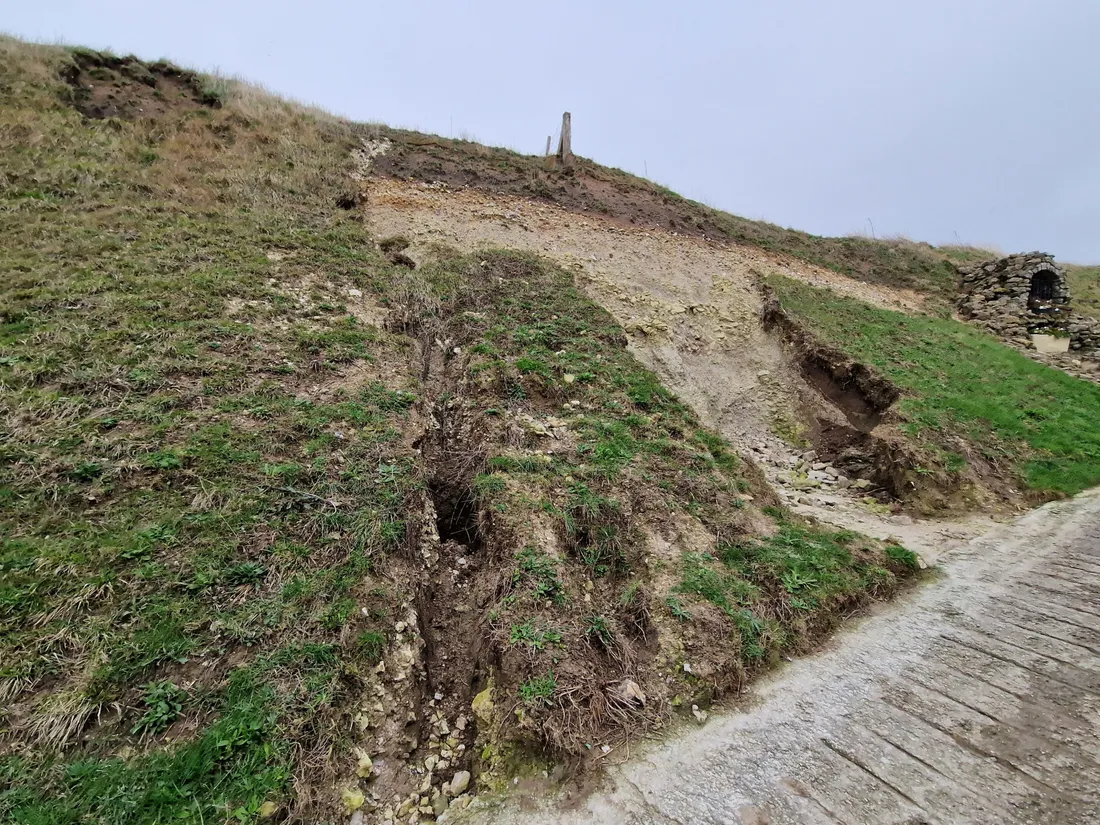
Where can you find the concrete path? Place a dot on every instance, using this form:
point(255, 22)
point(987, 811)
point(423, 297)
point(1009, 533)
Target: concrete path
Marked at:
point(974, 700)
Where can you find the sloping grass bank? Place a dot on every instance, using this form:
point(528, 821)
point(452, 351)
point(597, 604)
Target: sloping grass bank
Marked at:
point(213, 504)
point(959, 381)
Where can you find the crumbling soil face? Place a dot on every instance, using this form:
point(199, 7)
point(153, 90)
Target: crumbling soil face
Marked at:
point(695, 314)
point(690, 307)
point(106, 86)
point(861, 394)
point(628, 201)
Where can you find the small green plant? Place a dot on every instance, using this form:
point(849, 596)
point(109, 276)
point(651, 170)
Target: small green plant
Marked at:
point(533, 636)
point(629, 596)
point(163, 703)
point(248, 572)
point(795, 580)
point(539, 690)
point(677, 609)
point(86, 471)
point(540, 572)
point(598, 631)
point(163, 460)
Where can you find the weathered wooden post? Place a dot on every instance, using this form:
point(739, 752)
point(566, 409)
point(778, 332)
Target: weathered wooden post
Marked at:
point(548, 146)
point(565, 144)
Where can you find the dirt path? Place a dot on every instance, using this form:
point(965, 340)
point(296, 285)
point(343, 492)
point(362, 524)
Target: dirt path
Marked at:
point(975, 700)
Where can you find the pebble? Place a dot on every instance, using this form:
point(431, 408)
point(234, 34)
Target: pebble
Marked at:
point(458, 784)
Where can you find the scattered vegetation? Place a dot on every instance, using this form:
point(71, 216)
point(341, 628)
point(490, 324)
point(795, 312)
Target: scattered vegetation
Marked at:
point(961, 383)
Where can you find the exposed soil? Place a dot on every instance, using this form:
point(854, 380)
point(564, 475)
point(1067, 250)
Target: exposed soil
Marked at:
point(629, 201)
point(105, 86)
point(855, 389)
point(695, 314)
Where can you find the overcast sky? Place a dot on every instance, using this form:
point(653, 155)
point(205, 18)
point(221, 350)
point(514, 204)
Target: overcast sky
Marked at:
point(975, 120)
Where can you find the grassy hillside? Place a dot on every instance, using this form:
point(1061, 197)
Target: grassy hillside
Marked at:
point(1084, 286)
point(276, 508)
point(965, 394)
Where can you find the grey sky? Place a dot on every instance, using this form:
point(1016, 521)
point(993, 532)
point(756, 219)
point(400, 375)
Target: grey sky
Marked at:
point(975, 117)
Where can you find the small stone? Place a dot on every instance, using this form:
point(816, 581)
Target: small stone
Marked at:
point(353, 799)
point(628, 692)
point(700, 715)
point(356, 818)
point(267, 809)
point(430, 763)
point(458, 784)
point(482, 705)
point(355, 293)
point(365, 765)
point(439, 805)
point(569, 378)
point(460, 723)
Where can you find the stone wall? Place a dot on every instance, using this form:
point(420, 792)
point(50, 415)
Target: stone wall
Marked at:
point(995, 294)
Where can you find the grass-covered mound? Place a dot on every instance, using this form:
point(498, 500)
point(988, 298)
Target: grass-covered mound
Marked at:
point(960, 383)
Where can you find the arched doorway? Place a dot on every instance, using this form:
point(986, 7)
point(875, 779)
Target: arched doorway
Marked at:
point(1043, 285)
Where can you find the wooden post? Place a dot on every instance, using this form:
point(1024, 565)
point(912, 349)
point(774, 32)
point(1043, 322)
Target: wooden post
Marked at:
point(548, 146)
point(565, 147)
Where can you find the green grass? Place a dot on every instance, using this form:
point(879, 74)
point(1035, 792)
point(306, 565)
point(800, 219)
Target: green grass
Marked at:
point(959, 381)
point(771, 586)
point(534, 636)
point(1084, 288)
point(164, 467)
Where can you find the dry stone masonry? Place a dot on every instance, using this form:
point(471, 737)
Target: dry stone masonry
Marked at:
point(1023, 294)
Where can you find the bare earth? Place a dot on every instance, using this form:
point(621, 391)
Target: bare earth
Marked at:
point(977, 700)
point(691, 309)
